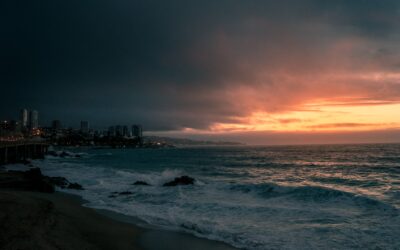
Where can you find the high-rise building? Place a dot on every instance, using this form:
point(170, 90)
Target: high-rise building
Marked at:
point(56, 125)
point(118, 130)
point(137, 131)
point(85, 127)
point(15, 126)
point(125, 131)
point(24, 118)
point(33, 119)
point(111, 131)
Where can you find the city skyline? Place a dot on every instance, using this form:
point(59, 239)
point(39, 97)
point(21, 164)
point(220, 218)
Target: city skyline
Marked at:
point(28, 120)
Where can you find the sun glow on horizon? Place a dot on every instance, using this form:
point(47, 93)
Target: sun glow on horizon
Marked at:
point(321, 117)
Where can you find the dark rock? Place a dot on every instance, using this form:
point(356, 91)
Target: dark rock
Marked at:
point(183, 180)
point(52, 153)
point(33, 180)
point(26, 162)
point(34, 174)
point(61, 182)
point(141, 183)
point(125, 193)
point(64, 154)
point(75, 186)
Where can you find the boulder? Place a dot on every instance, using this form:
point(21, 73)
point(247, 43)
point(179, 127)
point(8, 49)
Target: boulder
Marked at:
point(52, 153)
point(64, 154)
point(61, 182)
point(31, 180)
point(183, 180)
point(75, 186)
point(27, 162)
point(33, 173)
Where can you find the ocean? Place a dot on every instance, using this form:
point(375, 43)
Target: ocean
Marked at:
point(251, 197)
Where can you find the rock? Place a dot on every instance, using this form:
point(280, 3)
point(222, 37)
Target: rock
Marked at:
point(61, 182)
point(33, 180)
point(141, 183)
point(33, 174)
point(52, 153)
point(75, 186)
point(64, 154)
point(26, 162)
point(183, 180)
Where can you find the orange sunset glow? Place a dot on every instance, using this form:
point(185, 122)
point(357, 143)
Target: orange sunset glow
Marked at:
point(319, 103)
point(323, 116)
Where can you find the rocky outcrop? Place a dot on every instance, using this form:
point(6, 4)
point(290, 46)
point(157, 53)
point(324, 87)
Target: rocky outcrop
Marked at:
point(183, 180)
point(58, 181)
point(75, 186)
point(31, 180)
point(34, 180)
point(63, 154)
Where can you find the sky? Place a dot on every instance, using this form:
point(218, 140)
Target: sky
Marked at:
point(262, 72)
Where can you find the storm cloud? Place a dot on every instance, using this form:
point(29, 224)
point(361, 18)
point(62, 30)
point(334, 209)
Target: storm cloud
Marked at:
point(172, 65)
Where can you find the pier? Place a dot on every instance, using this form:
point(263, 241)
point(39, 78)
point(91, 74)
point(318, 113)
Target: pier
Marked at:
point(20, 151)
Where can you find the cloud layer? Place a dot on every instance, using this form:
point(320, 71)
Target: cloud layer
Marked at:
point(193, 64)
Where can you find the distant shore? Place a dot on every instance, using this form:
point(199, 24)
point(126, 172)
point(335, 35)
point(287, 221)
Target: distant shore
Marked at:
point(45, 220)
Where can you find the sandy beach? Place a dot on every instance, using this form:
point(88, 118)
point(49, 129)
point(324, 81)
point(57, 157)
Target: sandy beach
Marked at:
point(39, 220)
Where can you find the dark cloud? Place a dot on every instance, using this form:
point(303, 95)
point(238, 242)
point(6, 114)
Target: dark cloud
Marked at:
point(176, 64)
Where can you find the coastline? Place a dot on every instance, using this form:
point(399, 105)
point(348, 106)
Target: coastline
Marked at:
point(35, 220)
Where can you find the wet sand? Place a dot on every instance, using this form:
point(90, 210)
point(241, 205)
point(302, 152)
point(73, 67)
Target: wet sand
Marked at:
point(34, 220)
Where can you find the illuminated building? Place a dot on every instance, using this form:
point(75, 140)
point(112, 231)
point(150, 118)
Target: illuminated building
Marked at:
point(33, 119)
point(137, 131)
point(24, 118)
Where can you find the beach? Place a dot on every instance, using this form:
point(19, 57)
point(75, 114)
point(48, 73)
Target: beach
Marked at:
point(39, 220)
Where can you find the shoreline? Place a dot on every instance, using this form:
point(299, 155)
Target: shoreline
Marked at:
point(154, 238)
point(36, 220)
point(29, 202)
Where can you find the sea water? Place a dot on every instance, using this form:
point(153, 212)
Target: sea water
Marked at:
point(276, 197)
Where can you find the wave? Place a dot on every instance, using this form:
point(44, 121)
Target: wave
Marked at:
point(311, 193)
